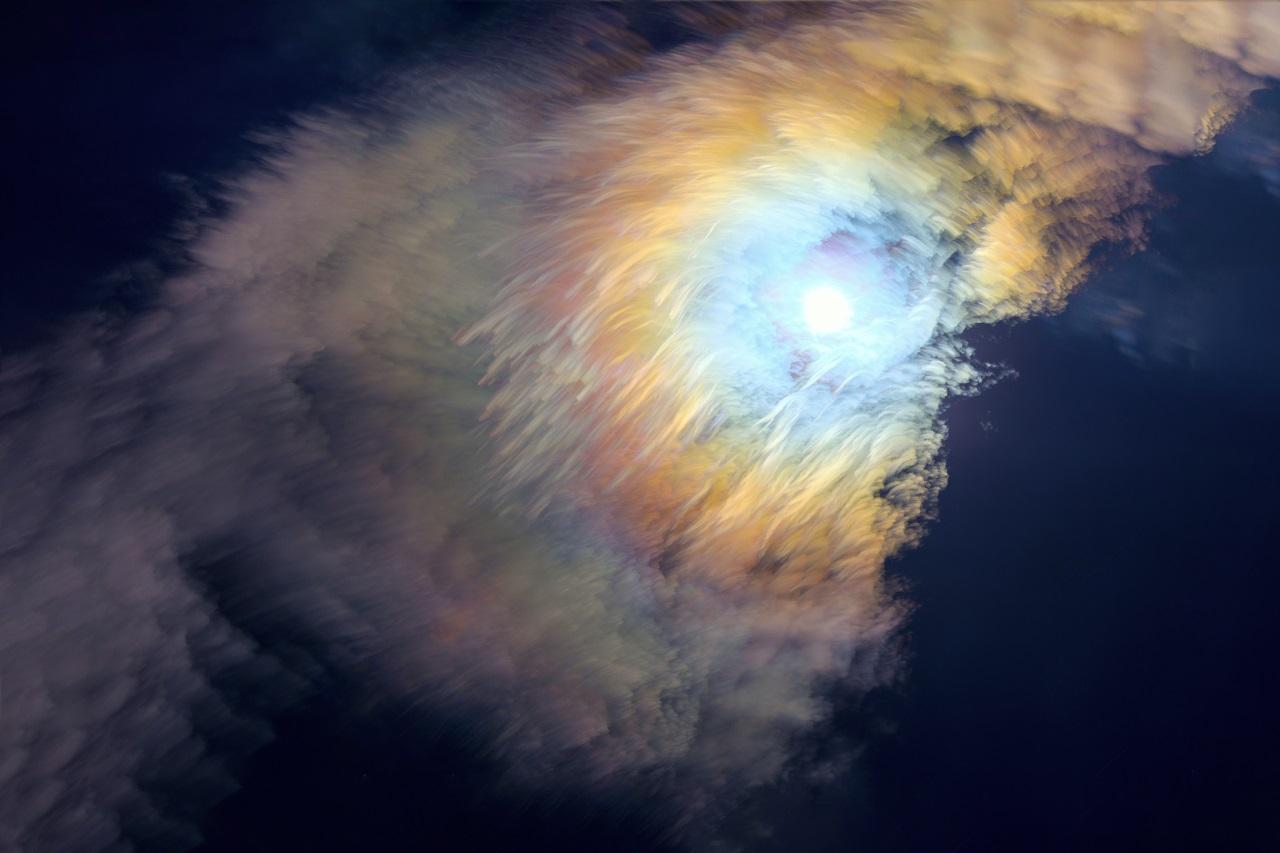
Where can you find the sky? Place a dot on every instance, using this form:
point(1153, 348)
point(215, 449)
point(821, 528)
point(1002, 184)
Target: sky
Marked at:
point(1078, 638)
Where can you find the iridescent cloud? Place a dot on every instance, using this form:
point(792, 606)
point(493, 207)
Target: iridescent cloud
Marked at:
point(503, 395)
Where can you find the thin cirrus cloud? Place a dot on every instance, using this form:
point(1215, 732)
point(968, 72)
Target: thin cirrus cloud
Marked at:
point(501, 394)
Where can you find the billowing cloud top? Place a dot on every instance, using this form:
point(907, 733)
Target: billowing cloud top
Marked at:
point(584, 391)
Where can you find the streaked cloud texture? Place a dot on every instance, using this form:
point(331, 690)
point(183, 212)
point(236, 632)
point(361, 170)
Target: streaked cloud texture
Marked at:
point(495, 391)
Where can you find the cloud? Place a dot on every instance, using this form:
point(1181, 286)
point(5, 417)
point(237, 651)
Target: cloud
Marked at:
point(495, 392)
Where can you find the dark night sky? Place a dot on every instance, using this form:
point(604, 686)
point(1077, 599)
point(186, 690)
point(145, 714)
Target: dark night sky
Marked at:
point(1096, 605)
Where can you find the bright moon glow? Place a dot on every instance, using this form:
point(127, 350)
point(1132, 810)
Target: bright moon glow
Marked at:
point(826, 310)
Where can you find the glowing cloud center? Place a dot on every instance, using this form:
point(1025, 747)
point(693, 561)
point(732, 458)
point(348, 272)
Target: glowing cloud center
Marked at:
point(826, 310)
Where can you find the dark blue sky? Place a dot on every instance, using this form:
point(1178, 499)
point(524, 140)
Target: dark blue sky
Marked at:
point(1097, 604)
